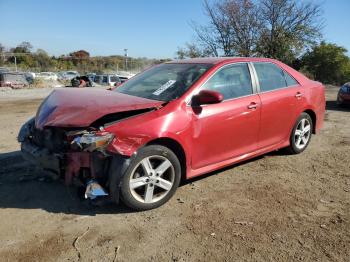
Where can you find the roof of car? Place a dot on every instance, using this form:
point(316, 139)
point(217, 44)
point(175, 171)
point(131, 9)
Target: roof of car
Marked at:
point(217, 60)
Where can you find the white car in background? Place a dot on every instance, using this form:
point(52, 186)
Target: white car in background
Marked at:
point(107, 80)
point(68, 75)
point(124, 76)
point(47, 76)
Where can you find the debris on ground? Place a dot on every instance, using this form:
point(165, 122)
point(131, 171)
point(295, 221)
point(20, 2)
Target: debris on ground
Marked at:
point(76, 240)
point(116, 253)
point(244, 223)
point(179, 200)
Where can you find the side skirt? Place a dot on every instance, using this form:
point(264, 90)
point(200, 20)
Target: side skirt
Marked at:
point(203, 170)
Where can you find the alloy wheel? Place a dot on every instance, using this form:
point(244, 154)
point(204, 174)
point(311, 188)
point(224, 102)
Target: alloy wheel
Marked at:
point(152, 179)
point(302, 133)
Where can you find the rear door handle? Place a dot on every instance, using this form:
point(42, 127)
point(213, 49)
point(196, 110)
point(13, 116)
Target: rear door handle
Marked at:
point(298, 95)
point(252, 105)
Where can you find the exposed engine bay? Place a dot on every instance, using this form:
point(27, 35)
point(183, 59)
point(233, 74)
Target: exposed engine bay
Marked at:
point(78, 155)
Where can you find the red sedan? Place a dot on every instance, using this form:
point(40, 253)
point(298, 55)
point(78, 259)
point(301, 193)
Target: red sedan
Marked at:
point(172, 122)
point(343, 97)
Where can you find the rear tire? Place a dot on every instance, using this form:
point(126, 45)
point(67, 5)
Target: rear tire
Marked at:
point(301, 134)
point(338, 102)
point(151, 178)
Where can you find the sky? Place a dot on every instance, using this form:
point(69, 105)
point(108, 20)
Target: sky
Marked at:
point(147, 28)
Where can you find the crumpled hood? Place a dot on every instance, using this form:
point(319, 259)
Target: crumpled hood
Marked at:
point(75, 107)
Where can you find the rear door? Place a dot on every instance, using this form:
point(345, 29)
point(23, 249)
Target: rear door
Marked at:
point(230, 128)
point(280, 95)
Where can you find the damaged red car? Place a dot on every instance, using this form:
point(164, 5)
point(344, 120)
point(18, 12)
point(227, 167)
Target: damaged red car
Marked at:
point(343, 97)
point(172, 122)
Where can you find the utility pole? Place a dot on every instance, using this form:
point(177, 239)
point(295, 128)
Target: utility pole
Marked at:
point(126, 58)
point(15, 63)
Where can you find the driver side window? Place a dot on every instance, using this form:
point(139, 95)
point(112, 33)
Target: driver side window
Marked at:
point(232, 81)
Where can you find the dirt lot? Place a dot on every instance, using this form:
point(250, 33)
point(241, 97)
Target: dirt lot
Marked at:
point(273, 208)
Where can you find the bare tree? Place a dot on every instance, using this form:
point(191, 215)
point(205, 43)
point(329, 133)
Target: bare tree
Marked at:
point(245, 25)
point(191, 50)
point(216, 36)
point(233, 28)
point(279, 29)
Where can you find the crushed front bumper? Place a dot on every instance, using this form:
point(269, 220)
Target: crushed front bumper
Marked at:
point(67, 165)
point(41, 157)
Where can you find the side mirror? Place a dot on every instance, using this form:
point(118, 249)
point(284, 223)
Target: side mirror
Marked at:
point(205, 97)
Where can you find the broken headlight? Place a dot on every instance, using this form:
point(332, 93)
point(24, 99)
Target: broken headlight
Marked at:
point(92, 141)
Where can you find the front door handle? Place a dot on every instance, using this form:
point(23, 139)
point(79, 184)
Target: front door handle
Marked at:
point(298, 95)
point(252, 105)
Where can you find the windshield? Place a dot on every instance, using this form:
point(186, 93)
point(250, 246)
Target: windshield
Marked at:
point(164, 82)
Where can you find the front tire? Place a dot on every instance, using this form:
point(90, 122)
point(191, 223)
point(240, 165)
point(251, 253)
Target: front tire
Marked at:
point(151, 178)
point(301, 134)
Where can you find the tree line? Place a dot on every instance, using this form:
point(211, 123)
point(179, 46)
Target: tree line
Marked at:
point(40, 60)
point(286, 30)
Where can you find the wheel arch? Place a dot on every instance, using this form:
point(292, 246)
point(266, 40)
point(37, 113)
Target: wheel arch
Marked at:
point(176, 147)
point(312, 114)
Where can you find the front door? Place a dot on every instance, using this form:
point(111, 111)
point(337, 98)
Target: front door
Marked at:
point(230, 128)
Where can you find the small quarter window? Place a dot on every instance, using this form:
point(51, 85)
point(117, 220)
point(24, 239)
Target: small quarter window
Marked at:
point(290, 80)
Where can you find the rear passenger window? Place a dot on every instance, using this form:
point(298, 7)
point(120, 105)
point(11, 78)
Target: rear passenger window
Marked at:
point(231, 81)
point(270, 76)
point(290, 80)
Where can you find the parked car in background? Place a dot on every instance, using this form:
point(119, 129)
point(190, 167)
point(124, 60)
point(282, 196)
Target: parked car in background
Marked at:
point(175, 121)
point(4, 70)
point(124, 76)
point(81, 81)
point(47, 76)
point(343, 97)
point(30, 76)
point(91, 76)
point(68, 75)
point(13, 80)
point(107, 80)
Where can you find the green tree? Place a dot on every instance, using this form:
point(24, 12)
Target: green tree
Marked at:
point(290, 28)
point(24, 47)
point(42, 60)
point(327, 63)
point(22, 52)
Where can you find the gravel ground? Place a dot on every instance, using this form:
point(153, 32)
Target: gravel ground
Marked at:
point(9, 94)
point(274, 208)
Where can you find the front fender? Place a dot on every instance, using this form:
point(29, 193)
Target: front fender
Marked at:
point(117, 169)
